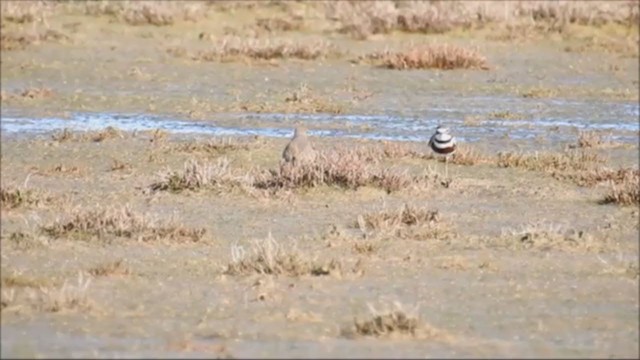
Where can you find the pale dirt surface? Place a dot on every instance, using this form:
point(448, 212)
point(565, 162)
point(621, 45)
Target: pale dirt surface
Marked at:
point(480, 293)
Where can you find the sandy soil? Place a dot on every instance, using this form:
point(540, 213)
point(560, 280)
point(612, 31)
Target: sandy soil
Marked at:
point(519, 263)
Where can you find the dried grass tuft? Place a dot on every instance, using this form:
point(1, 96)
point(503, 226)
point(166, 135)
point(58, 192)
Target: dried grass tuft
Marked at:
point(218, 145)
point(14, 197)
point(626, 191)
point(361, 19)
point(120, 222)
point(68, 297)
point(200, 176)
point(271, 258)
point(545, 236)
point(599, 175)
point(344, 168)
point(407, 222)
point(570, 160)
point(236, 48)
point(394, 323)
point(591, 140)
point(158, 13)
point(444, 57)
point(110, 269)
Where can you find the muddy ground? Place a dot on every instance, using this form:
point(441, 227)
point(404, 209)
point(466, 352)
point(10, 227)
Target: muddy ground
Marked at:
point(519, 262)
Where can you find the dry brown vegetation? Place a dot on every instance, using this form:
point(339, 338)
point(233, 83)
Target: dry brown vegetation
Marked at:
point(107, 133)
point(218, 145)
point(273, 24)
point(569, 160)
point(302, 99)
point(505, 115)
point(407, 222)
point(444, 57)
point(271, 258)
point(546, 236)
point(158, 13)
point(24, 240)
point(386, 324)
point(362, 19)
point(580, 167)
point(120, 222)
point(17, 279)
point(14, 197)
point(29, 93)
point(68, 297)
point(467, 156)
point(118, 165)
point(539, 92)
point(202, 176)
point(110, 269)
point(237, 48)
point(65, 298)
point(591, 139)
point(394, 323)
point(12, 40)
point(343, 168)
point(599, 175)
point(626, 191)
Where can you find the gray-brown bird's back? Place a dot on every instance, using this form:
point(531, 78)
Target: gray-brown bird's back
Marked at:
point(299, 149)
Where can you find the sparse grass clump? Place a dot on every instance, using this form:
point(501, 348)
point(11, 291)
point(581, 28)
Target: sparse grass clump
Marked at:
point(235, 48)
point(68, 297)
point(15, 197)
point(273, 24)
point(600, 175)
point(200, 176)
point(29, 93)
point(466, 156)
point(539, 92)
point(565, 161)
point(546, 236)
point(270, 258)
point(345, 169)
point(394, 323)
point(120, 222)
point(406, 222)
point(109, 269)
point(46, 297)
point(444, 57)
point(406, 216)
point(302, 99)
point(17, 279)
point(505, 115)
point(11, 40)
point(626, 191)
point(361, 19)
point(22, 12)
point(217, 145)
point(158, 13)
point(24, 240)
point(385, 324)
point(107, 133)
point(591, 140)
point(305, 100)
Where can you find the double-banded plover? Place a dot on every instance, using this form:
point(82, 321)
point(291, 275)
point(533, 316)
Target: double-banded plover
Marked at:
point(299, 150)
point(444, 144)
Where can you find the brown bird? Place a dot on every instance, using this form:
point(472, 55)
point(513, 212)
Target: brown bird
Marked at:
point(299, 149)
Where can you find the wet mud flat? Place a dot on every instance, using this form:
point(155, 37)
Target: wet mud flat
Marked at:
point(500, 261)
point(145, 212)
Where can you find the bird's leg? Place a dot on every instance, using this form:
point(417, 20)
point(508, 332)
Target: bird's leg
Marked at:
point(446, 167)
